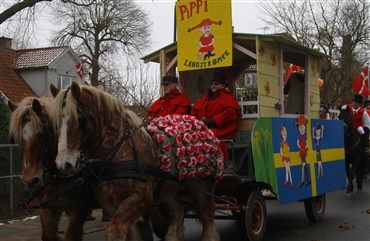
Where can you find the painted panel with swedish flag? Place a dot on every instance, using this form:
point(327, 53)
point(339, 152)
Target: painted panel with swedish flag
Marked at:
point(298, 157)
point(204, 34)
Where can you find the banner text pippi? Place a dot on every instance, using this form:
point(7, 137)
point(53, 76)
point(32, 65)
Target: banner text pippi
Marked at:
point(193, 7)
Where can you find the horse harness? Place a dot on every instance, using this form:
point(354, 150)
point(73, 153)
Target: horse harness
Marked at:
point(104, 169)
point(89, 168)
point(127, 168)
point(51, 174)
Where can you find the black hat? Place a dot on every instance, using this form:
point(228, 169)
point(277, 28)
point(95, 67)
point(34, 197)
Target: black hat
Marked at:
point(367, 102)
point(169, 79)
point(357, 98)
point(220, 77)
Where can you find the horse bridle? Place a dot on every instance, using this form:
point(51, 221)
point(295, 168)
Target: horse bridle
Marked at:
point(48, 173)
point(47, 129)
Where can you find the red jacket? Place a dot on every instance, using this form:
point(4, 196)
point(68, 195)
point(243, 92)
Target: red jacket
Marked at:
point(172, 103)
point(224, 109)
point(356, 117)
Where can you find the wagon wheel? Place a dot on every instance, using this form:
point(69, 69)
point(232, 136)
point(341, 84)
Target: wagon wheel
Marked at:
point(315, 207)
point(160, 221)
point(253, 220)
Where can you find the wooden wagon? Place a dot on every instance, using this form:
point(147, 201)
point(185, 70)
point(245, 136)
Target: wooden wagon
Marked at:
point(275, 81)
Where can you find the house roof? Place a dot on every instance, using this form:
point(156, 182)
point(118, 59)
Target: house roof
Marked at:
point(11, 83)
point(37, 58)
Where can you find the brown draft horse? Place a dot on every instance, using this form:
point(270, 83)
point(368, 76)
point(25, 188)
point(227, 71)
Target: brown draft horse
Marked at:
point(96, 129)
point(31, 129)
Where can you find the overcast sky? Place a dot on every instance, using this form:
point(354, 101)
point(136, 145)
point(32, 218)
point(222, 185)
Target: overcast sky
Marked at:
point(161, 13)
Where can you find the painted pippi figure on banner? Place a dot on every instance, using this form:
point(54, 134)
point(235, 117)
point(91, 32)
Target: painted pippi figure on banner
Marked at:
point(285, 156)
point(207, 40)
point(317, 136)
point(303, 146)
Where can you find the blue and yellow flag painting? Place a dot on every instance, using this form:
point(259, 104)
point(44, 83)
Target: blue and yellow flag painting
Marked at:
point(204, 34)
point(299, 158)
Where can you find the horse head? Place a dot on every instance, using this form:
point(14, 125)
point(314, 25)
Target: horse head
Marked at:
point(89, 122)
point(345, 115)
point(30, 128)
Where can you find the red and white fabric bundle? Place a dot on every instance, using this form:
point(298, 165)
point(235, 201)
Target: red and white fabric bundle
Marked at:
point(187, 147)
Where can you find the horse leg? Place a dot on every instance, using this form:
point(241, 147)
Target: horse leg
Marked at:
point(140, 231)
point(351, 172)
point(176, 213)
point(128, 212)
point(206, 211)
point(360, 173)
point(76, 222)
point(49, 219)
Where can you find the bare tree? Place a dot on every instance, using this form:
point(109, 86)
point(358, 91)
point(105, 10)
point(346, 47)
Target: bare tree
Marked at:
point(143, 80)
point(340, 29)
point(102, 30)
point(20, 19)
point(17, 7)
point(131, 80)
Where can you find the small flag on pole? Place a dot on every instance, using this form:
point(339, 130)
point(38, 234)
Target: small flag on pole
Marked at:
point(80, 69)
point(361, 83)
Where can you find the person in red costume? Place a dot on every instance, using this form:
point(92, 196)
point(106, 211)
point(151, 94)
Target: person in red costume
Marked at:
point(172, 102)
point(361, 120)
point(219, 110)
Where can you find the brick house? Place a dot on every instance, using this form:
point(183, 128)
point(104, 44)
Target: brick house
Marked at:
point(29, 72)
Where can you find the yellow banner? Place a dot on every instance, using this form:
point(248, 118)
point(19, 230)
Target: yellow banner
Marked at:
point(204, 31)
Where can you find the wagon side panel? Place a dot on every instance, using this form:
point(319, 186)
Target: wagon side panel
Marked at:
point(268, 77)
point(279, 162)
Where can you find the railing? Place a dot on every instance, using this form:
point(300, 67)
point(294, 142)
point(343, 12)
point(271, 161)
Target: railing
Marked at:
point(333, 114)
point(12, 190)
point(249, 109)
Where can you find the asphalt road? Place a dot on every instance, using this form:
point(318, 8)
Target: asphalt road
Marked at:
point(344, 220)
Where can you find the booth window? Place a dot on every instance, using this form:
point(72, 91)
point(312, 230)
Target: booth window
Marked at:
point(247, 93)
point(295, 82)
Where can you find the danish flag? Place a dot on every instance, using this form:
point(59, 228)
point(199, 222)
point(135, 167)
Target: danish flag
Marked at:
point(80, 69)
point(361, 83)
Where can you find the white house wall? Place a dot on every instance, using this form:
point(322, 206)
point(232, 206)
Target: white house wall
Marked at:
point(65, 65)
point(35, 78)
point(40, 79)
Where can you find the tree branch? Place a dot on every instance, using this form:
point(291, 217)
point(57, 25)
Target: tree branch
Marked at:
point(10, 12)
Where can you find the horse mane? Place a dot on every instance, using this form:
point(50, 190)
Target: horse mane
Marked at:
point(25, 108)
point(57, 110)
point(103, 100)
